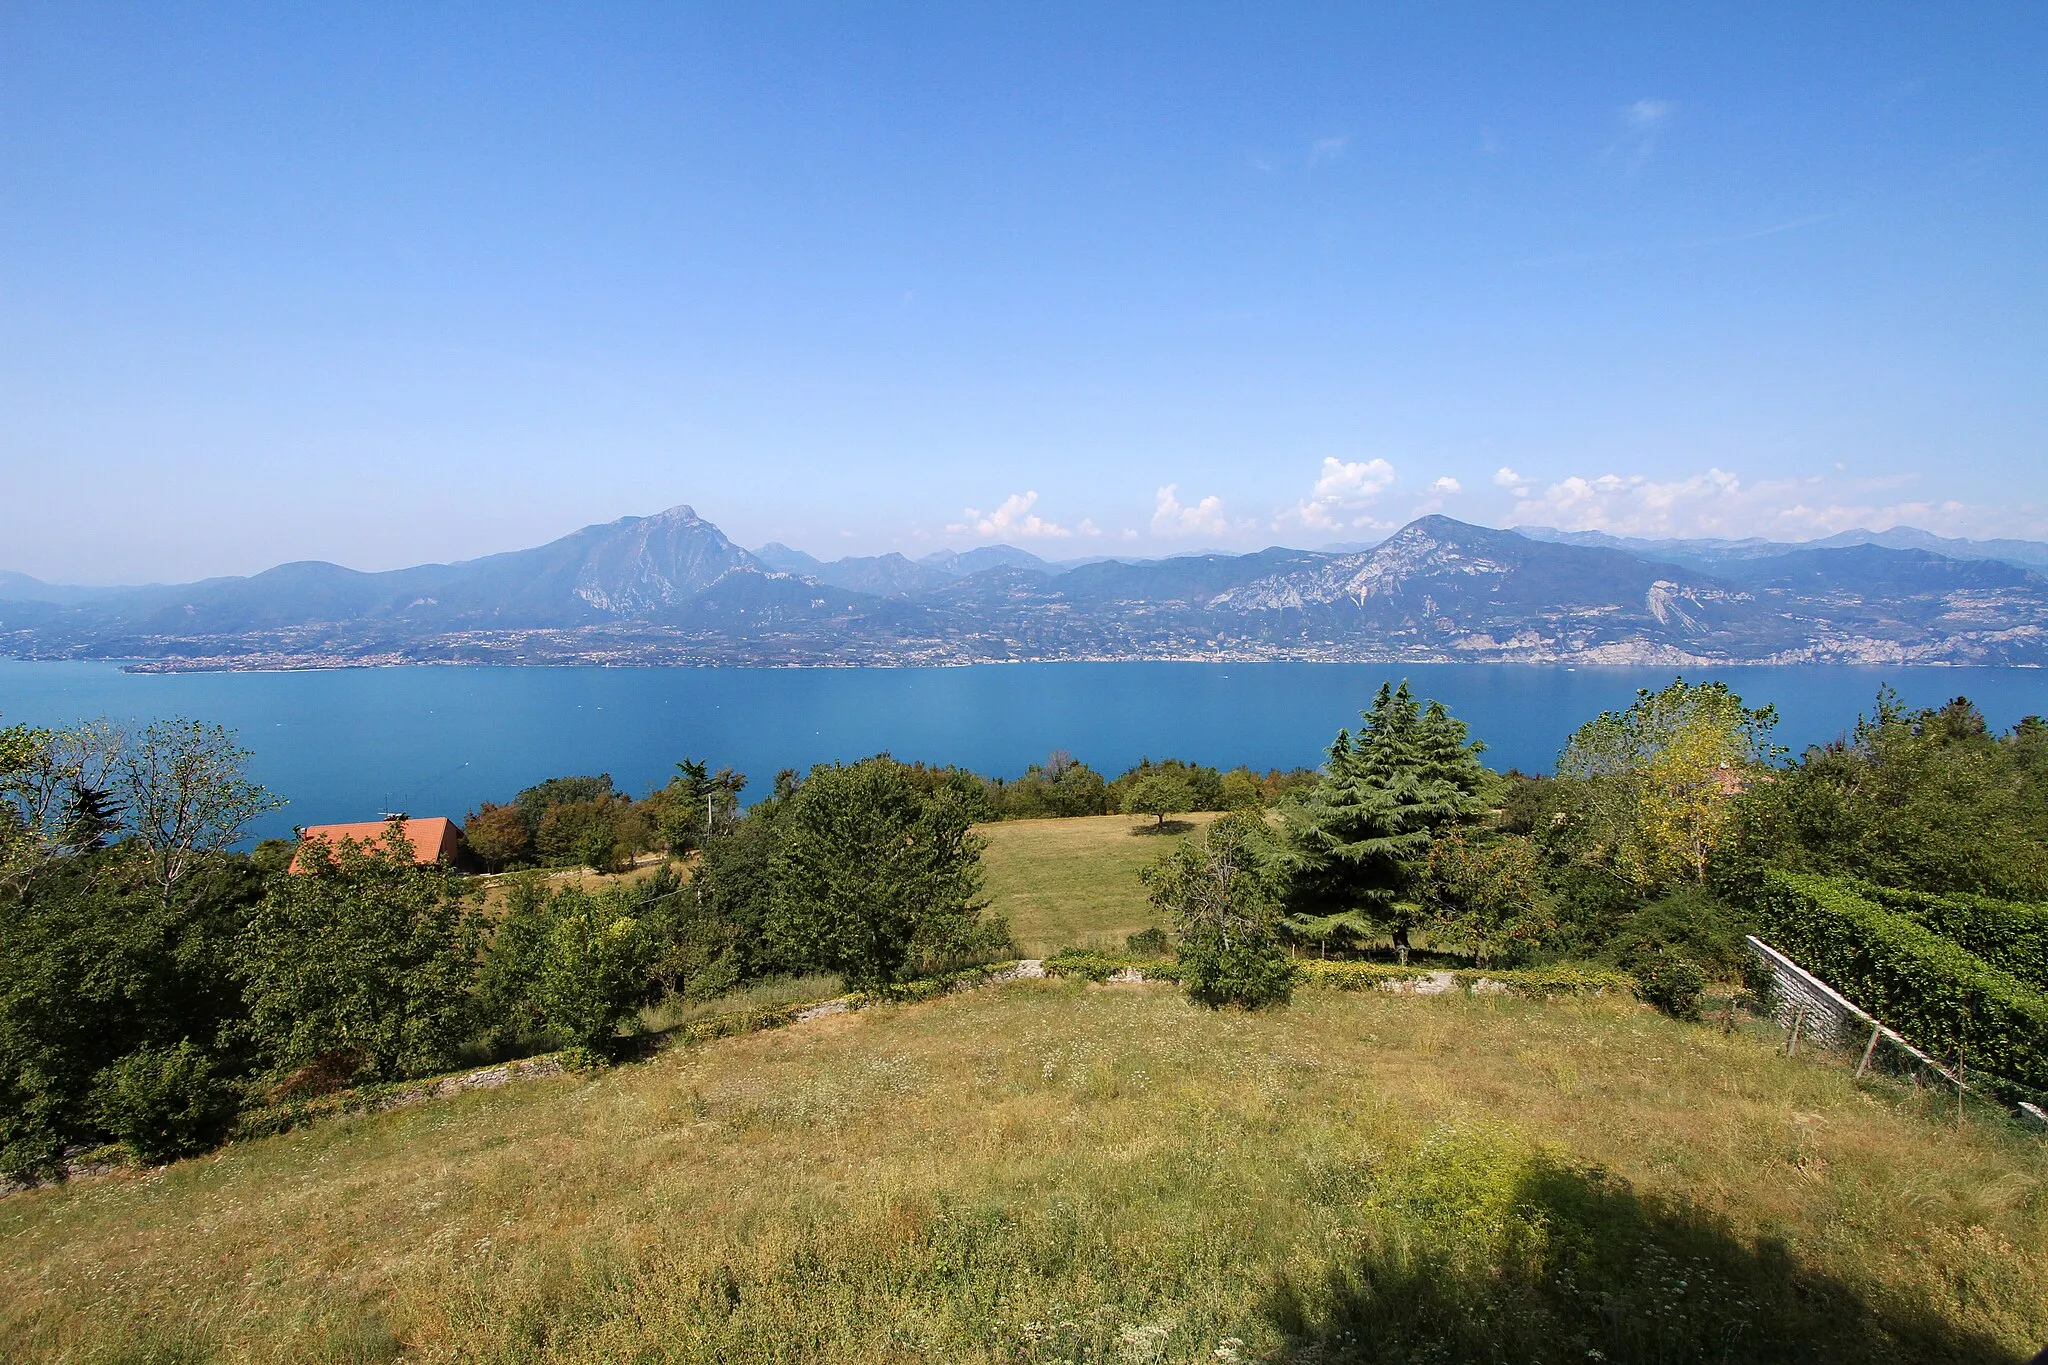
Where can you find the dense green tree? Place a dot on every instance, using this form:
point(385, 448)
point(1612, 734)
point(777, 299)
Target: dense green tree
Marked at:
point(1159, 794)
point(96, 968)
point(1203, 781)
point(363, 961)
point(695, 802)
point(1061, 786)
point(1650, 790)
point(499, 836)
point(1358, 839)
point(119, 910)
point(584, 833)
point(534, 801)
point(874, 878)
point(1241, 789)
point(1486, 896)
point(1928, 799)
point(733, 888)
point(1221, 890)
point(593, 965)
point(510, 1012)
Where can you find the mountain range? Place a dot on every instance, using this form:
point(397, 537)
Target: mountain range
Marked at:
point(673, 589)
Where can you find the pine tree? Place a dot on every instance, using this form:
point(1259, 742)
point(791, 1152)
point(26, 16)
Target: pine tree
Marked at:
point(1359, 838)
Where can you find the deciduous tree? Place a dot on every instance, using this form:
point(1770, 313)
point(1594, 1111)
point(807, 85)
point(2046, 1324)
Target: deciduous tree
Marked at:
point(1159, 795)
point(1219, 887)
point(874, 878)
point(363, 956)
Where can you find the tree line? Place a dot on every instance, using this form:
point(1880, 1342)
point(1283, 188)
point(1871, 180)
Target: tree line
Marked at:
point(589, 822)
point(1645, 849)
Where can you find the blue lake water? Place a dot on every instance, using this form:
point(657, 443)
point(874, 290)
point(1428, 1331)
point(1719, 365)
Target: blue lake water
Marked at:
point(348, 744)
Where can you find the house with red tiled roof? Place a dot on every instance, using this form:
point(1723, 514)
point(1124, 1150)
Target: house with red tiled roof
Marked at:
point(434, 838)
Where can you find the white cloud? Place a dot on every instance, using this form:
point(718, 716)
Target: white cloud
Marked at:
point(1343, 492)
point(1719, 504)
point(1013, 518)
point(1650, 114)
point(1446, 486)
point(1642, 123)
point(1171, 518)
point(1505, 477)
point(1328, 148)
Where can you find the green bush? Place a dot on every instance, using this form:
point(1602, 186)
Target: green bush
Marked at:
point(1148, 943)
point(1674, 984)
point(1929, 988)
point(163, 1102)
point(1099, 966)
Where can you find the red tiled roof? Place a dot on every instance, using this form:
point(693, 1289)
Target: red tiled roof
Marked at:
point(433, 837)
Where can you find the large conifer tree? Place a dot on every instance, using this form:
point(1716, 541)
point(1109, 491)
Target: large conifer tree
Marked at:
point(1357, 841)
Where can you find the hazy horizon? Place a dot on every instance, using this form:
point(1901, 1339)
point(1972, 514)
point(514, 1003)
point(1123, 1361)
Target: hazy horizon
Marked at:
point(386, 286)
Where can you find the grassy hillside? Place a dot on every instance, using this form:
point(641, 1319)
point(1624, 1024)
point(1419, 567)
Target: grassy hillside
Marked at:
point(1053, 1171)
point(1073, 883)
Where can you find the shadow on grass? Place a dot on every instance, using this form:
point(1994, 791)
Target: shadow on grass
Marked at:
point(1159, 828)
point(1597, 1273)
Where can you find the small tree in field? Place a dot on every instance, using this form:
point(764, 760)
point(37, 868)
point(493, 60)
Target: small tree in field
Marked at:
point(1220, 892)
point(1159, 795)
point(875, 877)
point(593, 966)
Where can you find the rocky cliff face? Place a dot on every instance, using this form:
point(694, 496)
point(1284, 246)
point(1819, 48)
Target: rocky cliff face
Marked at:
point(643, 566)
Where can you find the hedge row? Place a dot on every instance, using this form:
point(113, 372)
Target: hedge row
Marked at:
point(2008, 934)
point(1930, 988)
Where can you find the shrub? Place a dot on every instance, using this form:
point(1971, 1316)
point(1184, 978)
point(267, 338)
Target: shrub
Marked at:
point(1929, 988)
point(1092, 965)
point(1147, 943)
point(163, 1102)
point(1565, 980)
point(1674, 984)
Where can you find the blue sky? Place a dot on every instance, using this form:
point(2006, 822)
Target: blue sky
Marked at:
point(392, 284)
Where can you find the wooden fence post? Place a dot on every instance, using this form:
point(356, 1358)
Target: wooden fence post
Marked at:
point(1868, 1051)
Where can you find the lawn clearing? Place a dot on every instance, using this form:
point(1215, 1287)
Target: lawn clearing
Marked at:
point(1074, 883)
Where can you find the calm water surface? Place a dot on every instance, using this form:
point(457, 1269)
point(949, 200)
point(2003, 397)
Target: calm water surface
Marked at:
point(348, 744)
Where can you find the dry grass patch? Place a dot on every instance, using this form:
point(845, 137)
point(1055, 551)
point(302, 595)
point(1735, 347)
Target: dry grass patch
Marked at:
point(1048, 1171)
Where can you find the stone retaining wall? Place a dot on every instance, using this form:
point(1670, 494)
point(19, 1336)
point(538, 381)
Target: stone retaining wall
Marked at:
point(1796, 993)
